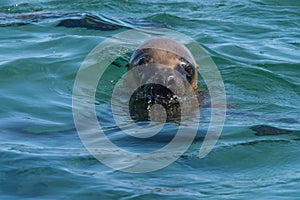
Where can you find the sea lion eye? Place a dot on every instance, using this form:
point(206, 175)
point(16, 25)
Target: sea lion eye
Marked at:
point(188, 67)
point(143, 60)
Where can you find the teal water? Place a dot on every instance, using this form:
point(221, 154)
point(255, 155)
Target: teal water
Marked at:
point(256, 46)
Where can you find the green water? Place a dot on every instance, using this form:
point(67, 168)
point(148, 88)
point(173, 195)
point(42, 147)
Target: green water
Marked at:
point(256, 46)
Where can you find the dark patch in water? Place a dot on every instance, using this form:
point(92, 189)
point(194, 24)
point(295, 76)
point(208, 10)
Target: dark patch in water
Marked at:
point(262, 130)
point(77, 20)
point(89, 22)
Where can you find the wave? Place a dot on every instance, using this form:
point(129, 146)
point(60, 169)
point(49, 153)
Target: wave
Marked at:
point(76, 20)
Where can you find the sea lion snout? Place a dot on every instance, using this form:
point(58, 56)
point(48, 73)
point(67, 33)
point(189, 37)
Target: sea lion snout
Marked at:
point(152, 73)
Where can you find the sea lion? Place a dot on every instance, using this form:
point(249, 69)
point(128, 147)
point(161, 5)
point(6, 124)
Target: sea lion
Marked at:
point(172, 55)
point(170, 67)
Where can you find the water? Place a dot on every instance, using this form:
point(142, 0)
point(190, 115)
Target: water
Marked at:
point(255, 45)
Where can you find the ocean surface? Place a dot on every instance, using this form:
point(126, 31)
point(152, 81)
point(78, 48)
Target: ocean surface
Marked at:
point(256, 47)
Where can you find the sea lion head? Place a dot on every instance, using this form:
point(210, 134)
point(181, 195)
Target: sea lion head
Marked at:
point(169, 54)
point(169, 69)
